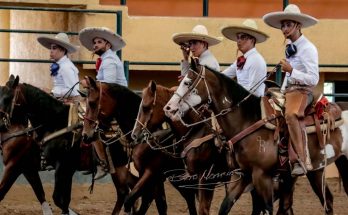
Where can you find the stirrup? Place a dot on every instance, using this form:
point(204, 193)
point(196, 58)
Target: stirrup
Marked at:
point(298, 170)
point(101, 173)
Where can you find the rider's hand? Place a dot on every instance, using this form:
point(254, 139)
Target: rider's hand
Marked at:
point(285, 65)
point(185, 51)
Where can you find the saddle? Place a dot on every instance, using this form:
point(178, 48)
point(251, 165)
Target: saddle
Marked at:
point(320, 115)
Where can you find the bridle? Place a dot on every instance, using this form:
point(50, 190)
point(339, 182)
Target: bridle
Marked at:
point(7, 116)
point(116, 134)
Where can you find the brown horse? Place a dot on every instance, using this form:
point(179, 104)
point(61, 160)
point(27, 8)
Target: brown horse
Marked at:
point(21, 155)
point(202, 159)
point(64, 151)
point(257, 151)
point(108, 102)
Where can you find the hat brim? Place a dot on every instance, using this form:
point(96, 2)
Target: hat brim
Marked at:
point(48, 41)
point(180, 38)
point(274, 19)
point(87, 35)
point(231, 32)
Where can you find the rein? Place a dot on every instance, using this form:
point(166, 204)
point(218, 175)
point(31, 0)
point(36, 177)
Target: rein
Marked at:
point(192, 89)
point(7, 136)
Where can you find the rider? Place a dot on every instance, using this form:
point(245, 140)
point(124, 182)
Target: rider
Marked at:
point(103, 42)
point(250, 68)
point(302, 70)
point(63, 71)
point(197, 43)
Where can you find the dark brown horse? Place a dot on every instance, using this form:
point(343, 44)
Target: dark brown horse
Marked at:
point(21, 155)
point(257, 152)
point(108, 102)
point(202, 157)
point(62, 152)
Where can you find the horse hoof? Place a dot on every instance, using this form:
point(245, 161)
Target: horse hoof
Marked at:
point(46, 209)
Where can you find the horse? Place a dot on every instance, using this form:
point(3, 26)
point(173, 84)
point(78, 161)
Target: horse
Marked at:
point(256, 152)
point(107, 102)
point(21, 155)
point(49, 115)
point(200, 155)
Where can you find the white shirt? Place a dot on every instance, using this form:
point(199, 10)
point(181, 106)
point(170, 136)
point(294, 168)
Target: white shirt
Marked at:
point(253, 71)
point(111, 69)
point(66, 78)
point(305, 63)
point(205, 59)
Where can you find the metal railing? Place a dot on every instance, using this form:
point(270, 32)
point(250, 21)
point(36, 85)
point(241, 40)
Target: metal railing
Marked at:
point(118, 14)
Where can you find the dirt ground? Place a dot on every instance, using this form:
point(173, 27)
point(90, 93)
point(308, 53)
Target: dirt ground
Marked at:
point(21, 200)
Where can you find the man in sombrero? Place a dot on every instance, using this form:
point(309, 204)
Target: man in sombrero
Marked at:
point(63, 71)
point(302, 70)
point(104, 42)
point(250, 68)
point(197, 43)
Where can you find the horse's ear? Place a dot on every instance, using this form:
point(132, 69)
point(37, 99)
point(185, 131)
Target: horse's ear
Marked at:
point(92, 82)
point(12, 81)
point(194, 63)
point(153, 86)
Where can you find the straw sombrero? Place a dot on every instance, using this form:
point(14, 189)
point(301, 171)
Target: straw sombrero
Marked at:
point(87, 35)
point(199, 32)
point(60, 39)
point(249, 26)
point(291, 12)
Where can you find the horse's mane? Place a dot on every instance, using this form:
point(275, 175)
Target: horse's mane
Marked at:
point(165, 93)
point(44, 107)
point(127, 104)
point(237, 92)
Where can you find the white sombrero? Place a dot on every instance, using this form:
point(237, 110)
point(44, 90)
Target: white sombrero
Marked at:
point(249, 26)
point(291, 12)
point(199, 32)
point(60, 39)
point(87, 35)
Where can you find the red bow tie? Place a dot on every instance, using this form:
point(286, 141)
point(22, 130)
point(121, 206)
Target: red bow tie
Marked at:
point(240, 62)
point(97, 63)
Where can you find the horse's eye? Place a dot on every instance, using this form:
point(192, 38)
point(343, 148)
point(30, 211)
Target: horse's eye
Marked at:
point(187, 83)
point(146, 109)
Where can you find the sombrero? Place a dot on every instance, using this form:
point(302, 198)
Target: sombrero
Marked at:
point(291, 12)
point(60, 39)
point(87, 35)
point(249, 26)
point(199, 32)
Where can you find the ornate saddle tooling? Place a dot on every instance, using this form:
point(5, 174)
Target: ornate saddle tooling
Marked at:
point(273, 103)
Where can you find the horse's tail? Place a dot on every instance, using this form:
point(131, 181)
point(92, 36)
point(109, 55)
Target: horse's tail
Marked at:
point(344, 130)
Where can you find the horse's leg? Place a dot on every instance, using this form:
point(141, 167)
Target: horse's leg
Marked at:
point(316, 180)
point(264, 187)
point(11, 173)
point(342, 166)
point(34, 180)
point(138, 189)
point(62, 185)
point(205, 196)
point(235, 190)
point(189, 196)
point(160, 199)
point(285, 193)
point(121, 179)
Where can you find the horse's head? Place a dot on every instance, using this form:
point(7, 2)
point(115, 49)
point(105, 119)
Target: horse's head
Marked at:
point(99, 108)
point(7, 94)
point(151, 114)
point(192, 91)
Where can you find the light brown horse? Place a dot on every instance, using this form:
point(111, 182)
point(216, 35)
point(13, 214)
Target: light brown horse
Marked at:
point(108, 102)
point(257, 152)
point(202, 159)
